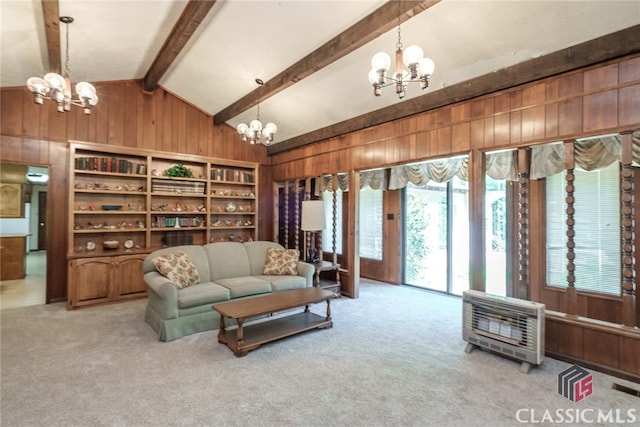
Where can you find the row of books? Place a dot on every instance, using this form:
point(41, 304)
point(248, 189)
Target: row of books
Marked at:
point(171, 222)
point(234, 175)
point(110, 164)
point(169, 186)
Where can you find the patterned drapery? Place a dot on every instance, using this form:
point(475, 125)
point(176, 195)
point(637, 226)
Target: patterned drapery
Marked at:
point(421, 173)
point(376, 179)
point(502, 165)
point(333, 182)
point(590, 154)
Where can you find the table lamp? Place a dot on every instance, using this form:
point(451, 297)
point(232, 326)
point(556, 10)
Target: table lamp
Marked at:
point(312, 221)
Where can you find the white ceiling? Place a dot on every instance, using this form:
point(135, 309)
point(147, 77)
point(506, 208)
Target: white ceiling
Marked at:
point(242, 40)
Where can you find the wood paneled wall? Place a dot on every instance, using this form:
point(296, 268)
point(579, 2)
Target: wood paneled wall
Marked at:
point(587, 102)
point(125, 116)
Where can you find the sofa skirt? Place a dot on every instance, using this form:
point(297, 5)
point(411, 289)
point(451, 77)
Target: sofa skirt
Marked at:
point(171, 329)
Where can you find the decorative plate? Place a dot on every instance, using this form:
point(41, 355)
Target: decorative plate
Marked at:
point(91, 245)
point(128, 243)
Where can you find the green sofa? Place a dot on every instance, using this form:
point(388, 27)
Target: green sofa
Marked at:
point(227, 270)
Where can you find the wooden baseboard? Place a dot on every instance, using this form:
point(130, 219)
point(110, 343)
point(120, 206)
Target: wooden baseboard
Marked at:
point(594, 344)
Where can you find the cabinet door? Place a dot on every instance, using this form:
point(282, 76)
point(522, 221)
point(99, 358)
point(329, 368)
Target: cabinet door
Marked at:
point(129, 279)
point(12, 257)
point(12, 204)
point(90, 281)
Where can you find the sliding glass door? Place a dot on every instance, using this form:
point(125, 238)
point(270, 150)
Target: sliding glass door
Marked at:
point(437, 236)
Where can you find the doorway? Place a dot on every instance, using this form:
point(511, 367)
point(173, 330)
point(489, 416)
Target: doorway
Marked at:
point(436, 236)
point(32, 288)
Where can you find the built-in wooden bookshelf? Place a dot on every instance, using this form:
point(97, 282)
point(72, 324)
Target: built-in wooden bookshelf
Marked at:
point(126, 203)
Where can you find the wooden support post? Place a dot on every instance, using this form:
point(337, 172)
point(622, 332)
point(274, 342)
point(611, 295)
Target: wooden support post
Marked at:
point(627, 221)
point(476, 221)
point(571, 308)
point(522, 290)
point(286, 214)
point(334, 218)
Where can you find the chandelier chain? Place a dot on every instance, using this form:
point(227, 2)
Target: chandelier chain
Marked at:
point(67, 71)
point(399, 44)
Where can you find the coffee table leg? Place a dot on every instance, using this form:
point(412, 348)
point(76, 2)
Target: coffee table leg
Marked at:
point(328, 309)
point(240, 331)
point(222, 330)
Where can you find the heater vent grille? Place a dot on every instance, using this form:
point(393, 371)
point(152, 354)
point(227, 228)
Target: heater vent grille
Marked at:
point(509, 326)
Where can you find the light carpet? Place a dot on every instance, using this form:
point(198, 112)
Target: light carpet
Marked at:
point(394, 357)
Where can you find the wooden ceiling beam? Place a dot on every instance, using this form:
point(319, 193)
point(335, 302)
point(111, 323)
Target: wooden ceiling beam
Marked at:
point(193, 14)
point(51, 14)
point(369, 28)
point(609, 47)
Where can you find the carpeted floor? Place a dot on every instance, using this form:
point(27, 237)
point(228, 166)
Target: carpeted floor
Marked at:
point(394, 357)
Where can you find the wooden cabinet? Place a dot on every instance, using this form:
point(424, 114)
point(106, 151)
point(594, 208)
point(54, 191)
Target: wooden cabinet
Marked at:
point(12, 202)
point(128, 276)
point(13, 251)
point(90, 281)
point(125, 203)
point(105, 279)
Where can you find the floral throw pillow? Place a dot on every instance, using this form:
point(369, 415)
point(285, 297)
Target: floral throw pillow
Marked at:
point(178, 268)
point(281, 262)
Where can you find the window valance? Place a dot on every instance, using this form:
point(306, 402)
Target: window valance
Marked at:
point(590, 154)
point(502, 165)
point(334, 182)
point(546, 160)
point(421, 173)
point(375, 179)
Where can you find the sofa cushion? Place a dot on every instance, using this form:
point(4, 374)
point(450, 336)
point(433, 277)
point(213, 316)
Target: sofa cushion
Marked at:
point(196, 254)
point(257, 251)
point(202, 293)
point(285, 283)
point(178, 268)
point(245, 286)
point(281, 261)
point(227, 259)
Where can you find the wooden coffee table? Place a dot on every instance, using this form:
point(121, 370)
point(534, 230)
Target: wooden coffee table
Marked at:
point(246, 338)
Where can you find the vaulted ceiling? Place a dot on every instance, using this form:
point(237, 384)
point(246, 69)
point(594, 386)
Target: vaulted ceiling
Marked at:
point(314, 56)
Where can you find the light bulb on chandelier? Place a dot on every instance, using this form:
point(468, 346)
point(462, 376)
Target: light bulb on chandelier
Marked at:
point(420, 69)
point(58, 88)
point(254, 131)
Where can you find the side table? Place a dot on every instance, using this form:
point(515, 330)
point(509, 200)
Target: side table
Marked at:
point(329, 281)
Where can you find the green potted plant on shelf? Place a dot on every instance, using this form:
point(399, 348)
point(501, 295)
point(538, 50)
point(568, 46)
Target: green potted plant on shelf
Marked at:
point(179, 170)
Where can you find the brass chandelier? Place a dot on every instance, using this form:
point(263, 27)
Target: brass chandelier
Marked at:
point(420, 69)
point(254, 132)
point(58, 88)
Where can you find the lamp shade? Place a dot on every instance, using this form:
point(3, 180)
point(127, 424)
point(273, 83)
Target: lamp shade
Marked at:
point(312, 215)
